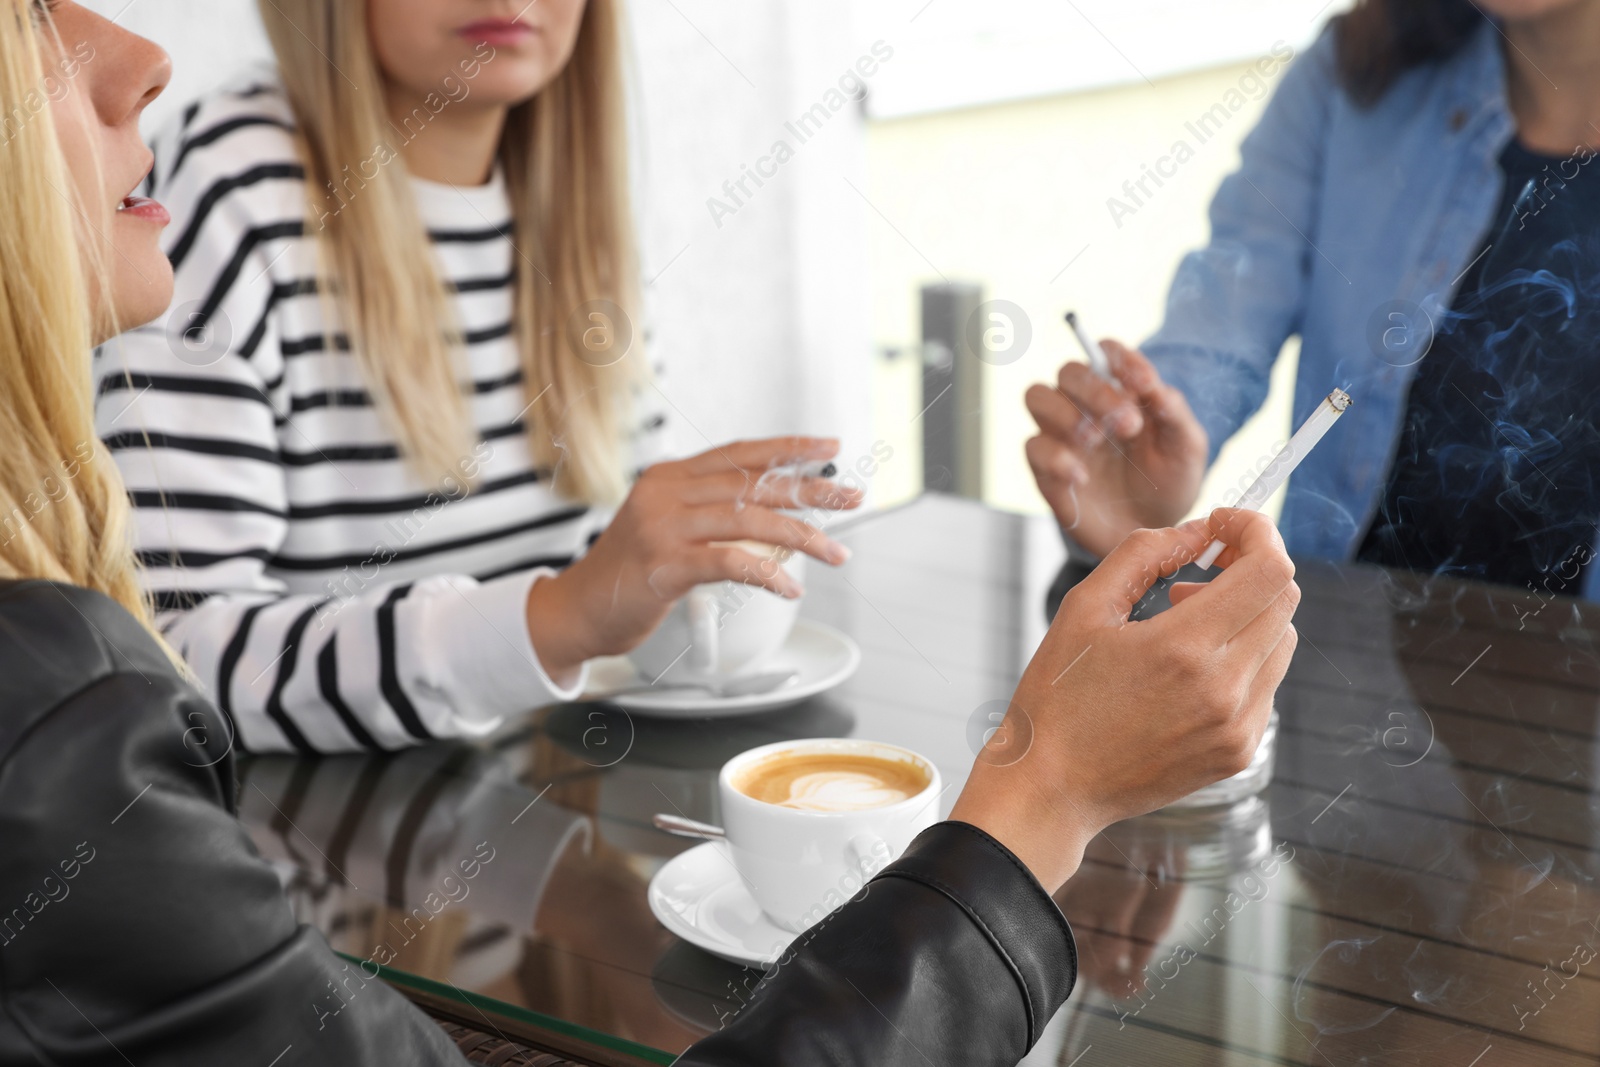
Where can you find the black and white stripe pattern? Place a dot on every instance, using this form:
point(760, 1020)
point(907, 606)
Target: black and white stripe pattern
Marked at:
point(327, 597)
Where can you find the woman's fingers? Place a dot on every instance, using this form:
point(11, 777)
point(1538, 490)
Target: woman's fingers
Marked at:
point(1057, 416)
point(781, 488)
point(1256, 642)
point(759, 455)
point(1058, 472)
point(1127, 574)
point(1106, 407)
point(1266, 681)
point(1162, 405)
point(1169, 409)
point(1270, 676)
point(1263, 633)
point(1159, 402)
point(1135, 371)
point(1178, 592)
point(730, 563)
point(726, 522)
point(1256, 572)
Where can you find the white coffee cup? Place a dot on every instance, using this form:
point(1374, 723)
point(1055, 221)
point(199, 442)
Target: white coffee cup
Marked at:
point(722, 628)
point(801, 864)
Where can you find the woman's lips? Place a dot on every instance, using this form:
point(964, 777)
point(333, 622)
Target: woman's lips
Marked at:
point(142, 207)
point(500, 32)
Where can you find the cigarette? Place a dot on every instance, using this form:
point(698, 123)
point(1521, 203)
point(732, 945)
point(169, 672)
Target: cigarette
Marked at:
point(1099, 362)
point(823, 469)
point(1284, 463)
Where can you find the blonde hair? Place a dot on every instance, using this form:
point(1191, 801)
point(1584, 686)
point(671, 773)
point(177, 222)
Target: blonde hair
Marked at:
point(63, 508)
point(565, 165)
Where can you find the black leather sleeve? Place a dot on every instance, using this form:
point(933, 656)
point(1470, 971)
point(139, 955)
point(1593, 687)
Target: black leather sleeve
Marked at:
point(953, 955)
point(137, 923)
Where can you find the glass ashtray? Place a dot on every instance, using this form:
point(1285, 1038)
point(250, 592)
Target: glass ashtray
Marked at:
point(1247, 783)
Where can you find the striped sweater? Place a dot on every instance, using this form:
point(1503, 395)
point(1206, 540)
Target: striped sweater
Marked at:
point(325, 595)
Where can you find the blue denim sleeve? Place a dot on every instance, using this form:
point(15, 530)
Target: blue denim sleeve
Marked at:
point(1234, 302)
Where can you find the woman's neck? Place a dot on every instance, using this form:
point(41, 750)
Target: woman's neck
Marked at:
point(1554, 79)
point(441, 140)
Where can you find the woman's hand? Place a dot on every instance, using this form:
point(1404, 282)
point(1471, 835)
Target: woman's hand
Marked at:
point(1111, 458)
point(672, 534)
point(1115, 718)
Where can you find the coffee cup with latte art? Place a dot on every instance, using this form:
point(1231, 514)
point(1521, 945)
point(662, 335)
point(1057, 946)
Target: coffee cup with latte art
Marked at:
point(810, 822)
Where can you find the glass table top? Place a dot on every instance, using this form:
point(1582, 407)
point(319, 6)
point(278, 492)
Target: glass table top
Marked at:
point(1417, 885)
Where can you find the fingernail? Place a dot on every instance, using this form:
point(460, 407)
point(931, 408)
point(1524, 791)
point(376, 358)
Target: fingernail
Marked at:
point(838, 553)
point(1121, 422)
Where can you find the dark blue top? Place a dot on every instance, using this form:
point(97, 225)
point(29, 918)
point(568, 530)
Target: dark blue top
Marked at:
point(1497, 472)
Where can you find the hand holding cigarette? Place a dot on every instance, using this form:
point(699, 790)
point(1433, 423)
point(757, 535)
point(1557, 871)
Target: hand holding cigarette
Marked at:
point(684, 523)
point(1116, 453)
point(1115, 717)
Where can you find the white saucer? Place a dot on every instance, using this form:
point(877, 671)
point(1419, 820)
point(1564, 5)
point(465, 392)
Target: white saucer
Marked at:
point(822, 656)
point(701, 898)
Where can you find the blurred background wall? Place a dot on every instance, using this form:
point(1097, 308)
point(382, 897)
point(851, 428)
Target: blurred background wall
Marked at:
point(978, 142)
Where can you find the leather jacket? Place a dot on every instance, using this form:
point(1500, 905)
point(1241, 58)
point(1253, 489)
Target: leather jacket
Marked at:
point(139, 924)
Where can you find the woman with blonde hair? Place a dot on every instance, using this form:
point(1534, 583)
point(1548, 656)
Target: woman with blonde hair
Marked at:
point(401, 390)
point(143, 927)
point(138, 919)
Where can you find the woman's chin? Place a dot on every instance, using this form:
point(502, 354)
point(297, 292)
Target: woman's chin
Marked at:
point(142, 293)
point(514, 84)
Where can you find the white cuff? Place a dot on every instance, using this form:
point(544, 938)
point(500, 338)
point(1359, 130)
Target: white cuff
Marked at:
point(478, 655)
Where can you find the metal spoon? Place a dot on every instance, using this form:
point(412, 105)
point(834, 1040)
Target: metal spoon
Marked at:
point(718, 688)
point(677, 824)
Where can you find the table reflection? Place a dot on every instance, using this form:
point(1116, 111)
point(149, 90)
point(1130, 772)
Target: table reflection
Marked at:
point(554, 821)
point(1416, 885)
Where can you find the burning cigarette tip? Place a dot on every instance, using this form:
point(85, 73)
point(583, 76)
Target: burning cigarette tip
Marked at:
point(1098, 360)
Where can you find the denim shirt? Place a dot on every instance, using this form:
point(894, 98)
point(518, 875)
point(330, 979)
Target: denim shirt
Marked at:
point(1351, 228)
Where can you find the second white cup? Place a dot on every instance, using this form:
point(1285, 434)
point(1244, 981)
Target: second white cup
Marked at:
point(801, 864)
point(722, 629)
